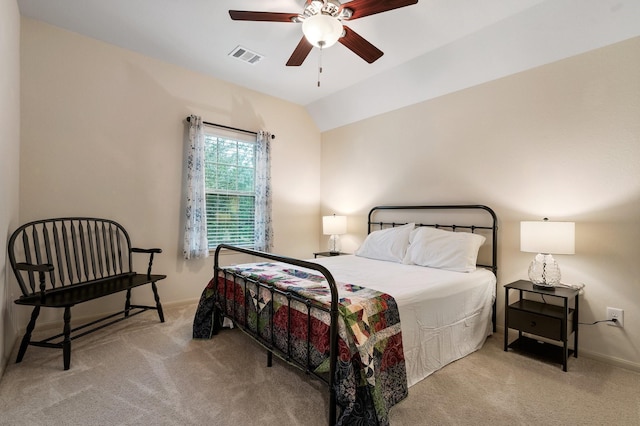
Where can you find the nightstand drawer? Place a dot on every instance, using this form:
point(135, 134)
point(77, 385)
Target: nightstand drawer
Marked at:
point(533, 323)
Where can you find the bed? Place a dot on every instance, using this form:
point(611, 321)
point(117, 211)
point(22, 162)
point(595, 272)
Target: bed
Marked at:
point(418, 294)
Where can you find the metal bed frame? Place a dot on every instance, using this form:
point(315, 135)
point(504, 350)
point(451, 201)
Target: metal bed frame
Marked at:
point(267, 341)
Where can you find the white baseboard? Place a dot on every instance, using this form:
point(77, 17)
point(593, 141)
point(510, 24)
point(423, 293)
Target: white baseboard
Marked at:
point(616, 362)
point(43, 326)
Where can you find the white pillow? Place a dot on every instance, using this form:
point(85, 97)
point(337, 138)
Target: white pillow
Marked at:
point(387, 244)
point(437, 248)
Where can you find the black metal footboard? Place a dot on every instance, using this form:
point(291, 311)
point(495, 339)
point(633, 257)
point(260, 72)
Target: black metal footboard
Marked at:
point(248, 315)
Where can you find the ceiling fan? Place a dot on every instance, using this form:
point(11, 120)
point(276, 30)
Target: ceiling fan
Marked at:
point(322, 25)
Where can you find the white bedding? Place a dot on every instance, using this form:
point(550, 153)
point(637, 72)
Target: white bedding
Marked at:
point(444, 315)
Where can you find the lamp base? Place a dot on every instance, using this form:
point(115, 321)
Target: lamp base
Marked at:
point(334, 244)
point(544, 271)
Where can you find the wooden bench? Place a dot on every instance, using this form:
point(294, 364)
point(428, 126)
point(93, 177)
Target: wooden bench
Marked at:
point(62, 262)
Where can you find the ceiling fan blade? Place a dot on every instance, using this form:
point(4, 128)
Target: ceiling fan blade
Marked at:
point(244, 15)
point(360, 46)
point(300, 53)
point(363, 8)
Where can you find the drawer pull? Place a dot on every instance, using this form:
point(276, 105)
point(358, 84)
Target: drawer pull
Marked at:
point(533, 323)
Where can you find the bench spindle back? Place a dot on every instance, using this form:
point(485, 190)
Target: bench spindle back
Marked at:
point(80, 250)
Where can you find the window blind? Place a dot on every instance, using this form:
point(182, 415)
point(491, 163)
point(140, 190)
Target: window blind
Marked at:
point(230, 191)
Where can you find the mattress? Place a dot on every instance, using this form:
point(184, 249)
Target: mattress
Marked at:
point(444, 315)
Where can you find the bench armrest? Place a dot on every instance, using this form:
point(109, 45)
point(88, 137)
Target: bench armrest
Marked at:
point(40, 269)
point(30, 267)
point(141, 250)
point(151, 252)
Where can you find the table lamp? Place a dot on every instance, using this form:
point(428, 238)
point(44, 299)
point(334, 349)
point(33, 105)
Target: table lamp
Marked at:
point(546, 238)
point(334, 226)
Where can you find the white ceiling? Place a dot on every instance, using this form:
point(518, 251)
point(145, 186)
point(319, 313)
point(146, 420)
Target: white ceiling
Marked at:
point(430, 49)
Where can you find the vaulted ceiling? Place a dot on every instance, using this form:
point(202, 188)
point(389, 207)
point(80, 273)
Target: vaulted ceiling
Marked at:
point(430, 49)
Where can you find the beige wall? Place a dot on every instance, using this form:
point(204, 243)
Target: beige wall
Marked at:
point(9, 160)
point(560, 141)
point(102, 134)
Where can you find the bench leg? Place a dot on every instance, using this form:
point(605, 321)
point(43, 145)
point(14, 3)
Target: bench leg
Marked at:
point(127, 303)
point(27, 335)
point(158, 305)
point(66, 343)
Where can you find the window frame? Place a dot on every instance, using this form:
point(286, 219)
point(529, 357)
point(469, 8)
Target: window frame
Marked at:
point(245, 239)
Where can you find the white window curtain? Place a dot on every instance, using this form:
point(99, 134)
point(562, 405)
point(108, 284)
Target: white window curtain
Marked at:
point(263, 233)
point(195, 231)
point(195, 228)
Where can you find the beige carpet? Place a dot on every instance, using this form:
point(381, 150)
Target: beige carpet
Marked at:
point(141, 372)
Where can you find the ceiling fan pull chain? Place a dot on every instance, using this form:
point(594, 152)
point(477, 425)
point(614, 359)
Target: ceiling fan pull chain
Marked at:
point(320, 64)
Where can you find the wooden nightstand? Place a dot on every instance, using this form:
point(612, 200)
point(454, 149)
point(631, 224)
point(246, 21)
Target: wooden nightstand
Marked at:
point(327, 254)
point(543, 319)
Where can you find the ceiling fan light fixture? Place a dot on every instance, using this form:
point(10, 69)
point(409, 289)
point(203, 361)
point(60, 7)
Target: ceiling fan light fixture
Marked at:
point(331, 8)
point(314, 8)
point(345, 14)
point(322, 30)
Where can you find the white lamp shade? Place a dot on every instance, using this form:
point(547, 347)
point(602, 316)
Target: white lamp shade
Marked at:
point(334, 225)
point(548, 237)
point(322, 30)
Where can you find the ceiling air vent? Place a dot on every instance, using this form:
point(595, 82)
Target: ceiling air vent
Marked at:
point(245, 55)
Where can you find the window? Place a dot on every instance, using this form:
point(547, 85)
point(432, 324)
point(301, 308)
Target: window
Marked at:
point(230, 167)
point(227, 190)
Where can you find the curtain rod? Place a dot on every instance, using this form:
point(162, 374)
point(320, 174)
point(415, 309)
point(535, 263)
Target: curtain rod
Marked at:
point(222, 126)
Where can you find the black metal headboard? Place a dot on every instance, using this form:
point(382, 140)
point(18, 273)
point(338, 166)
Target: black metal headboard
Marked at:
point(485, 222)
point(473, 223)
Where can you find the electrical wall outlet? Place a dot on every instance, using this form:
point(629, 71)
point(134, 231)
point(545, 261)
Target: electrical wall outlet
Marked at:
point(615, 314)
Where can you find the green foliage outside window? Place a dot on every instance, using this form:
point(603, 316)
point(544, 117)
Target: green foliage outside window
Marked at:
point(230, 188)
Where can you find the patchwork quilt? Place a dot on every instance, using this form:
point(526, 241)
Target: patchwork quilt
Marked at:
point(371, 372)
